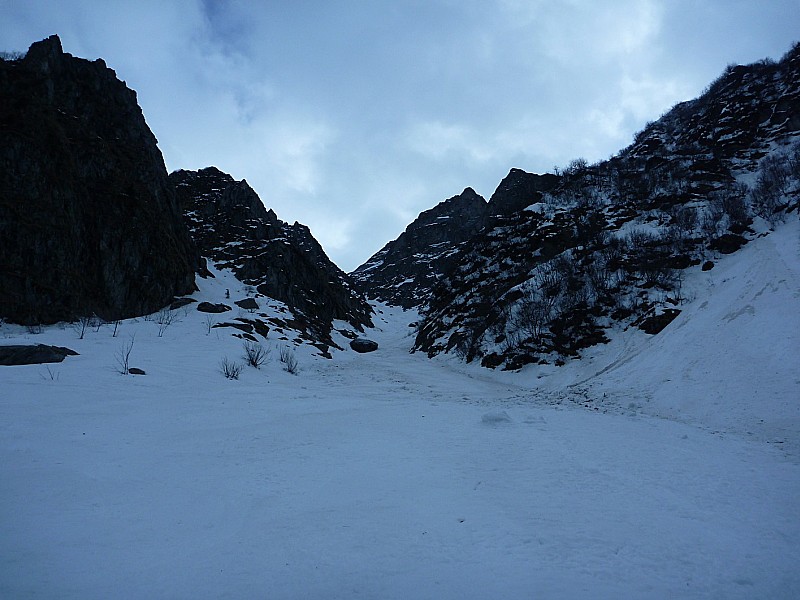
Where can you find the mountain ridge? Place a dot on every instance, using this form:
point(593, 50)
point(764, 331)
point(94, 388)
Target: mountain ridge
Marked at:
point(403, 275)
point(594, 245)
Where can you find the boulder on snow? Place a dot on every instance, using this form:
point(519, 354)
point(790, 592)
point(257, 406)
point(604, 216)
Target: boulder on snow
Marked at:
point(728, 243)
point(208, 307)
point(247, 304)
point(656, 323)
point(363, 345)
point(33, 354)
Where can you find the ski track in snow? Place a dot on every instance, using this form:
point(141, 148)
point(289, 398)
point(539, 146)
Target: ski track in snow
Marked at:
point(655, 467)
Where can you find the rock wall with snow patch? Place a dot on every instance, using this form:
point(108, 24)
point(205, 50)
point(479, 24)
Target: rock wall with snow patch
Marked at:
point(232, 228)
point(404, 271)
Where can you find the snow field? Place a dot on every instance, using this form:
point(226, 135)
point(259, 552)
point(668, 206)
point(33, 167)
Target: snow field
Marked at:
point(388, 475)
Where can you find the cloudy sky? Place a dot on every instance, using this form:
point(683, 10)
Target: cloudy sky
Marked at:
point(354, 116)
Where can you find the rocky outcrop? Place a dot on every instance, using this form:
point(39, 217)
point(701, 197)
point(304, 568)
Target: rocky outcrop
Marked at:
point(89, 222)
point(519, 190)
point(36, 354)
point(404, 271)
point(231, 226)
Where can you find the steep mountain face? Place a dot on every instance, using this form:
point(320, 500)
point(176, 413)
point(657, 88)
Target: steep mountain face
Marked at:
point(605, 246)
point(89, 222)
point(231, 226)
point(518, 190)
point(405, 270)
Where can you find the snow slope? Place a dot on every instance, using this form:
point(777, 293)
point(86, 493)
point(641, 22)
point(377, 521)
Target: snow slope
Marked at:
point(729, 362)
point(389, 475)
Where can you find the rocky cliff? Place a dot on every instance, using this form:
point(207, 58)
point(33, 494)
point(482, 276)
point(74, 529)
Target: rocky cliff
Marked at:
point(405, 270)
point(232, 228)
point(519, 190)
point(89, 222)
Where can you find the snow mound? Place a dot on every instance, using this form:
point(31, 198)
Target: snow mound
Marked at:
point(495, 417)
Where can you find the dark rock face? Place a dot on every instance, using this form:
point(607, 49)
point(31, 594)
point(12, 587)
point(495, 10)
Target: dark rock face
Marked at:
point(404, 271)
point(519, 190)
point(89, 222)
point(231, 226)
point(363, 345)
point(33, 355)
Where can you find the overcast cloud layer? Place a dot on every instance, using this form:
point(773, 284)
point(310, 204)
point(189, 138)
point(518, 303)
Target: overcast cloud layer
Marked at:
point(352, 117)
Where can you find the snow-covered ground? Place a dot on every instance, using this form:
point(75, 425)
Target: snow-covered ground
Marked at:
point(658, 467)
